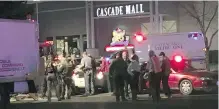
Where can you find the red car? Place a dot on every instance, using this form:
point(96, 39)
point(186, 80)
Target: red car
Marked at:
point(190, 79)
point(185, 78)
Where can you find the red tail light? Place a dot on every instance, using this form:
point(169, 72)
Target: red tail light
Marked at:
point(178, 58)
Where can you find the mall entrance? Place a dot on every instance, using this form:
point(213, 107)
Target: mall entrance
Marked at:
point(69, 44)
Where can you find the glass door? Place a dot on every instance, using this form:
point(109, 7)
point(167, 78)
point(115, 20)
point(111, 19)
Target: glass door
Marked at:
point(60, 47)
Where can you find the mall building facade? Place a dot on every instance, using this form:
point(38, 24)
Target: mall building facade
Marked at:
point(64, 23)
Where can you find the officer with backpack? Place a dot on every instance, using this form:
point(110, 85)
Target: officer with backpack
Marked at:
point(51, 79)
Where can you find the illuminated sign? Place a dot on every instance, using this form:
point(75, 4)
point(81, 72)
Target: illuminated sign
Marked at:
point(120, 10)
point(119, 37)
point(117, 48)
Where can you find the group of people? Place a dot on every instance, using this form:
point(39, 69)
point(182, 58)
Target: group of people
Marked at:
point(58, 74)
point(125, 71)
point(159, 70)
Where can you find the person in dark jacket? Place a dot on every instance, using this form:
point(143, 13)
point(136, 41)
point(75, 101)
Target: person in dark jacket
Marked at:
point(119, 70)
point(51, 79)
point(127, 81)
point(134, 56)
point(154, 67)
point(165, 66)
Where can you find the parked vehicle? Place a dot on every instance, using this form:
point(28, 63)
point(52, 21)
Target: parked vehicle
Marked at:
point(79, 82)
point(191, 79)
point(20, 59)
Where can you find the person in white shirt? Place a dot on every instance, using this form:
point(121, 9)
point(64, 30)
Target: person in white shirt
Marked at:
point(134, 71)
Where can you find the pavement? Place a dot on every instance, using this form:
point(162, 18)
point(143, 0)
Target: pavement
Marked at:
point(106, 101)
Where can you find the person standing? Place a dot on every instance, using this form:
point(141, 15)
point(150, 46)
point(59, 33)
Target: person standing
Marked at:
point(154, 67)
point(86, 65)
point(127, 81)
point(104, 67)
point(111, 75)
point(43, 69)
point(135, 56)
point(118, 69)
point(134, 71)
point(51, 79)
point(165, 66)
point(66, 71)
point(94, 70)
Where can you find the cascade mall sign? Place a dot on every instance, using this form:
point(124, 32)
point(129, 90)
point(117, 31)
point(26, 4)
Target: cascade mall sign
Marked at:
point(119, 10)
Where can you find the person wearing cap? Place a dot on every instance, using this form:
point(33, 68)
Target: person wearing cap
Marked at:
point(134, 71)
point(154, 68)
point(165, 66)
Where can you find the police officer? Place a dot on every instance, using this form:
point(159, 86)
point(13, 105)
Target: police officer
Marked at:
point(86, 65)
point(118, 69)
point(44, 86)
point(51, 79)
point(66, 70)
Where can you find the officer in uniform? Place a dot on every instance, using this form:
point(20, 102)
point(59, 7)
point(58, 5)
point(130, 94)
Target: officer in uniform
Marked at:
point(86, 65)
point(51, 79)
point(44, 85)
point(66, 69)
point(118, 69)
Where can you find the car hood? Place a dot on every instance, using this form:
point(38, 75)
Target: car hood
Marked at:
point(202, 73)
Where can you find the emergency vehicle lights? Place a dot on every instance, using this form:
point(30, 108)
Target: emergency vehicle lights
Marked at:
point(100, 75)
point(49, 42)
point(107, 59)
point(139, 37)
point(195, 35)
point(117, 48)
point(178, 58)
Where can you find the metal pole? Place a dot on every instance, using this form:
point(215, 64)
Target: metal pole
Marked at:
point(157, 16)
point(161, 23)
point(87, 24)
point(92, 25)
point(151, 17)
point(37, 13)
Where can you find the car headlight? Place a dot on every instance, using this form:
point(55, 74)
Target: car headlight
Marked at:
point(206, 78)
point(100, 75)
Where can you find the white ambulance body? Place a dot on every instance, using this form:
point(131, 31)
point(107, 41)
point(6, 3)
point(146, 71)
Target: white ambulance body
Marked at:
point(189, 46)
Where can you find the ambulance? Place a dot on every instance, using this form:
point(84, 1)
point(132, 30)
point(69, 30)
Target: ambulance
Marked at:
point(186, 52)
